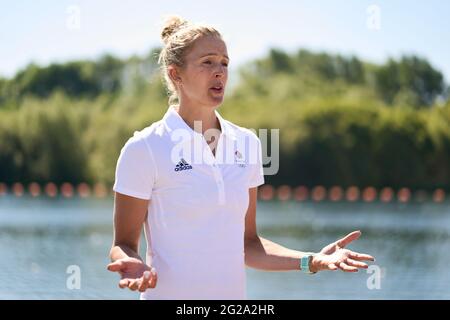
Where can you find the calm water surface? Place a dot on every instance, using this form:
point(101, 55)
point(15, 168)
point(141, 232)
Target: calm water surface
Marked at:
point(40, 238)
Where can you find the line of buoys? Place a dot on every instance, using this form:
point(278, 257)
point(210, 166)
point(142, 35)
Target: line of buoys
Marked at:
point(266, 192)
point(50, 189)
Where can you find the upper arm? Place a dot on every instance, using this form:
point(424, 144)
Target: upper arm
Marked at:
point(129, 216)
point(250, 217)
point(135, 178)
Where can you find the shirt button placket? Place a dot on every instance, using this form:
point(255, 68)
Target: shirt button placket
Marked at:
point(220, 185)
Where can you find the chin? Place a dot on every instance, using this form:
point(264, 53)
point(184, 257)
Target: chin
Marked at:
point(213, 102)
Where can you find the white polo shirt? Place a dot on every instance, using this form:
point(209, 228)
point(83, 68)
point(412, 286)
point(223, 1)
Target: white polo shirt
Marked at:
point(196, 214)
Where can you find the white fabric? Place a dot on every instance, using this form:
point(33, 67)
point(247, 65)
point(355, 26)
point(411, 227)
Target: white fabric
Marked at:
point(196, 216)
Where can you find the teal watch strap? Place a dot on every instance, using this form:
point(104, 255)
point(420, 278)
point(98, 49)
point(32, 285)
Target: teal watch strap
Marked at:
point(305, 262)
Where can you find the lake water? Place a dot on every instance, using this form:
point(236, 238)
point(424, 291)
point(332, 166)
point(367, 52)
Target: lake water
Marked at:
point(41, 237)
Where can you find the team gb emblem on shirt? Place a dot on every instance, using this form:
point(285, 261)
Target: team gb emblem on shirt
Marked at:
point(239, 159)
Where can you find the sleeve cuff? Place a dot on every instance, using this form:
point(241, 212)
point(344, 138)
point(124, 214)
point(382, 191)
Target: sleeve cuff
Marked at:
point(132, 193)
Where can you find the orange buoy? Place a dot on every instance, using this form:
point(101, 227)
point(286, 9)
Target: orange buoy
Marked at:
point(369, 194)
point(301, 193)
point(34, 189)
point(100, 190)
point(18, 189)
point(386, 194)
point(266, 192)
point(335, 194)
point(284, 193)
point(403, 195)
point(318, 193)
point(439, 195)
point(51, 190)
point(3, 188)
point(83, 190)
point(352, 194)
point(67, 190)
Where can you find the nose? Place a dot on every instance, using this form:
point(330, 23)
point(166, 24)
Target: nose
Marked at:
point(220, 71)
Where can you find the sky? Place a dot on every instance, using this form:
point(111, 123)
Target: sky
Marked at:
point(56, 31)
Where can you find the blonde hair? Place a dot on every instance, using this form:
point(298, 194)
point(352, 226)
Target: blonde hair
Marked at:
point(178, 36)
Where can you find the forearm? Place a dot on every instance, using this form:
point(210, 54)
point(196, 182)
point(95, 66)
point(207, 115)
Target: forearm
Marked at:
point(121, 251)
point(266, 255)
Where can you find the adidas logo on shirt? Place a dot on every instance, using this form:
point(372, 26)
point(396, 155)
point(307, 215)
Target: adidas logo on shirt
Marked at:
point(182, 165)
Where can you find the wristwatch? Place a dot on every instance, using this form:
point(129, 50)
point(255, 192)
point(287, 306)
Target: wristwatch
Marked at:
point(305, 262)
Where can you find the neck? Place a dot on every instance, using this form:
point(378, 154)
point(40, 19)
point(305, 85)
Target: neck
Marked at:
point(205, 114)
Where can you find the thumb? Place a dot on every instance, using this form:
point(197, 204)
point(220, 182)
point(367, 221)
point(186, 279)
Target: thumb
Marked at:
point(154, 277)
point(153, 273)
point(115, 266)
point(352, 236)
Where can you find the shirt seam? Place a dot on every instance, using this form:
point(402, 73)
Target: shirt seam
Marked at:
point(130, 192)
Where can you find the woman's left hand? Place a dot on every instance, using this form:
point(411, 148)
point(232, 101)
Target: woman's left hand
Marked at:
point(334, 256)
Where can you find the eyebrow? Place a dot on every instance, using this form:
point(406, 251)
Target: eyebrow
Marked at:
point(213, 54)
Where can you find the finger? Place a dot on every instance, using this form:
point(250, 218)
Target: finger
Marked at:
point(133, 284)
point(153, 278)
point(357, 264)
point(361, 256)
point(115, 266)
point(144, 282)
point(123, 283)
point(332, 266)
point(348, 238)
point(347, 268)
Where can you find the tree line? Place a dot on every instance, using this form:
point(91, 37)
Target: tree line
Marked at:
point(342, 121)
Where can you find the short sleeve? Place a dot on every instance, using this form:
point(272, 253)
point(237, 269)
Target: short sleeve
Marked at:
point(135, 170)
point(257, 170)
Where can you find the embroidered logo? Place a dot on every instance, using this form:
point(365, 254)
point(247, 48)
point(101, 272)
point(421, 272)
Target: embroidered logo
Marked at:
point(239, 159)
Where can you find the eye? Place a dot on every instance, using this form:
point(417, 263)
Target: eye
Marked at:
point(207, 62)
point(225, 64)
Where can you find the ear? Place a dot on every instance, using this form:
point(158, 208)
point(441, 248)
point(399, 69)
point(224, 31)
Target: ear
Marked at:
point(174, 74)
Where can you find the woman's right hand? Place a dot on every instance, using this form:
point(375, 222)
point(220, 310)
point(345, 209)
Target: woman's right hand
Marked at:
point(135, 274)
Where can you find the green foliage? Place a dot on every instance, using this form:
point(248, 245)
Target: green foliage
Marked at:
point(410, 81)
point(41, 142)
point(342, 121)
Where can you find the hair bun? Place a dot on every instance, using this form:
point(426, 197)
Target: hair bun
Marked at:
point(172, 25)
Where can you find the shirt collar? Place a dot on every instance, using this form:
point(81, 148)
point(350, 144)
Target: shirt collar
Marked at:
point(174, 121)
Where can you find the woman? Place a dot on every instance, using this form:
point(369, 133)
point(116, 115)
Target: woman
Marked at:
point(198, 210)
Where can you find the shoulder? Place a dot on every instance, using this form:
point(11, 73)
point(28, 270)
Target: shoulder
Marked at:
point(155, 131)
point(242, 133)
point(141, 140)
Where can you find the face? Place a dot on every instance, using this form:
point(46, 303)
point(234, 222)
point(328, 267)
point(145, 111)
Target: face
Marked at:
point(205, 73)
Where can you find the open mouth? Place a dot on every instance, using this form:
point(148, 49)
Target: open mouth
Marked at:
point(217, 89)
